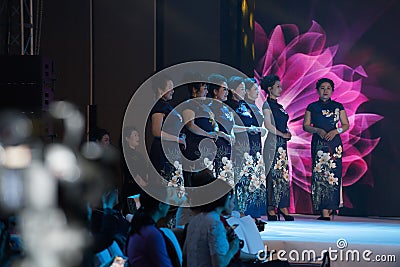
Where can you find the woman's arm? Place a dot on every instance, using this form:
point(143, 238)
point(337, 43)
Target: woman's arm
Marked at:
point(229, 137)
point(219, 260)
point(156, 129)
point(188, 119)
point(270, 127)
point(222, 251)
point(344, 122)
point(311, 129)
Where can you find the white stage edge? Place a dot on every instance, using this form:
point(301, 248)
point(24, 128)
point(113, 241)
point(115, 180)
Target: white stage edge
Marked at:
point(352, 241)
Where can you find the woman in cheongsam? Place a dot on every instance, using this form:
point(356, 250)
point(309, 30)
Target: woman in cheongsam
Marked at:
point(166, 155)
point(257, 118)
point(275, 150)
point(243, 119)
point(200, 128)
point(322, 120)
point(218, 91)
point(251, 187)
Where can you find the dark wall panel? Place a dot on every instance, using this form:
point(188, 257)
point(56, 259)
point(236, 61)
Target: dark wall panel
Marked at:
point(190, 31)
point(123, 56)
point(123, 49)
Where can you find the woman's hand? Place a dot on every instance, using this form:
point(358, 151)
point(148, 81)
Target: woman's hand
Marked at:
point(329, 136)
point(252, 130)
point(227, 137)
point(182, 141)
point(234, 244)
point(262, 130)
point(321, 133)
point(212, 135)
point(287, 135)
point(109, 199)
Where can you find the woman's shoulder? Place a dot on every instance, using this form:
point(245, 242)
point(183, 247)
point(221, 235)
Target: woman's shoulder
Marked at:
point(337, 104)
point(190, 104)
point(150, 232)
point(161, 107)
point(206, 218)
point(266, 105)
point(312, 105)
point(212, 218)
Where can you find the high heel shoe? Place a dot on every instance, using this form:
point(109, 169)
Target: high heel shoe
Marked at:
point(272, 218)
point(332, 213)
point(287, 217)
point(322, 218)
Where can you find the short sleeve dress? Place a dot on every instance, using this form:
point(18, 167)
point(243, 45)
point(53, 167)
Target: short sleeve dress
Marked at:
point(276, 158)
point(326, 156)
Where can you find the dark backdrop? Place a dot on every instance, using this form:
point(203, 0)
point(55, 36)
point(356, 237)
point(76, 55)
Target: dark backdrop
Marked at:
point(123, 53)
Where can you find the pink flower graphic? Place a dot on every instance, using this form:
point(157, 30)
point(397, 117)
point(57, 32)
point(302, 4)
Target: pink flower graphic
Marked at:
point(300, 60)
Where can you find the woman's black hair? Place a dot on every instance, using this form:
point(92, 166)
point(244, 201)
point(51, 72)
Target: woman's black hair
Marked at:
point(160, 82)
point(127, 131)
point(220, 202)
point(148, 204)
point(249, 83)
point(214, 83)
point(198, 81)
point(325, 80)
point(205, 177)
point(98, 134)
point(201, 178)
point(233, 83)
point(268, 81)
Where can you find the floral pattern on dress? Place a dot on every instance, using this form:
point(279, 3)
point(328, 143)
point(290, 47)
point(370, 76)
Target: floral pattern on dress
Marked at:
point(280, 172)
point(177, 180)
point(226, 172)
point(324, 174)
point(336, 113)
point(251, 188)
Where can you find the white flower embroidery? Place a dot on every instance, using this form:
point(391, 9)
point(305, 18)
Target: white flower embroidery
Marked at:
point(177, 180)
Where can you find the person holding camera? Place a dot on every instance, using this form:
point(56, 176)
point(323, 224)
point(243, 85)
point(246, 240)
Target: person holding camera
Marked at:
point(206, 241)
point(241, 258)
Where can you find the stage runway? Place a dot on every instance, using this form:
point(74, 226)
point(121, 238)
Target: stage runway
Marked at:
point(352, 241)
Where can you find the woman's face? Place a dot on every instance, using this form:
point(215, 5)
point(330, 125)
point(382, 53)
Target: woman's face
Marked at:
point(202, 92)
point(325, 91)
point(240, 91)
point(253, 92)
point(276, 90)
point(105, 140)
point(168, 91)
point(222, 92)
point(133, 139)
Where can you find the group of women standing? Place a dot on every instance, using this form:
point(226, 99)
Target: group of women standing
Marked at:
point(220, 127)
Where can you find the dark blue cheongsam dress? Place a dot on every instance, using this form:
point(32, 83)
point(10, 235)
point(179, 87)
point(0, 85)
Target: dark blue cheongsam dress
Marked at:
point(198, 147)
point(257, 120)
point(250, 188)
point(225, 121)
point(276, 158)
point(326, 156)
point(166, 167)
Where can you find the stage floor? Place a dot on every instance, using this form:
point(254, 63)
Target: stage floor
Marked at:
point(352, 241)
